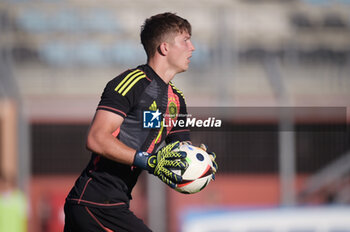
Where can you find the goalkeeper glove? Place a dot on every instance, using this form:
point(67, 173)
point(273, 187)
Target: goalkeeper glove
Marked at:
point(212, 157)
point(159, 163)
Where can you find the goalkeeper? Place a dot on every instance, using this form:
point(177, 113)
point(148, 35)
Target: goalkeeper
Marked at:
point(126, 133)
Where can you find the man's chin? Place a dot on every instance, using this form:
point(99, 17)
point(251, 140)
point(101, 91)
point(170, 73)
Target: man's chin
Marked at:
point(182, 70)
point(185, 68)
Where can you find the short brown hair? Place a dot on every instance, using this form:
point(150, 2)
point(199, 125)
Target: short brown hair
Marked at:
point(156, 28)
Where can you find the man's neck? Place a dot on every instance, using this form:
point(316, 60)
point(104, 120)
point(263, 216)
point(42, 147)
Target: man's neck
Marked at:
point(162, 70)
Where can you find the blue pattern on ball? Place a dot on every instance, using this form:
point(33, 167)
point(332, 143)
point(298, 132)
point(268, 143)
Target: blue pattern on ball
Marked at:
point(200, 157)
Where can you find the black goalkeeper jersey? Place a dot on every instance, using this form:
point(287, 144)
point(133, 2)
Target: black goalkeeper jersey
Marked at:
point(105, 183)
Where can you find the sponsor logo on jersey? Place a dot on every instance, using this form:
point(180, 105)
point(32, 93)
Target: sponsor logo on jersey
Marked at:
point(153, 106)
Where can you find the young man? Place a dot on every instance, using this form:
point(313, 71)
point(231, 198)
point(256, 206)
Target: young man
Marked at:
point(121, 147)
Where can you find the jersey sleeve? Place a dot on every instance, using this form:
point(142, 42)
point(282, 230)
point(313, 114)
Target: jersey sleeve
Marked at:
point(122, 93)
point(180, 133)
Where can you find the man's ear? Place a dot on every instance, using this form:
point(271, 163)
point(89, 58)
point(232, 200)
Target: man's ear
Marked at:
point(163, 49)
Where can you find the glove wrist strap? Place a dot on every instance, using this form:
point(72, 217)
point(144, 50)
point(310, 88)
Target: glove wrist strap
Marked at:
point(140, 160)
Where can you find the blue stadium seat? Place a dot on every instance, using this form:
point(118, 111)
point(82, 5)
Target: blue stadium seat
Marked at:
point(90, 53)
point(33, 20)
point(66, 20)
point(127, 53)
point(63, 54)
point(100, 20)
point(55, 53)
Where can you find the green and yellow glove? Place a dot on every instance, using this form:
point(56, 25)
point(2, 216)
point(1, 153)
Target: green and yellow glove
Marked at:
point(212, 157)
point(160, 163)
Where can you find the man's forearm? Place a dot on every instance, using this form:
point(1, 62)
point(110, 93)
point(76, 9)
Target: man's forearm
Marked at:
point(111, 148)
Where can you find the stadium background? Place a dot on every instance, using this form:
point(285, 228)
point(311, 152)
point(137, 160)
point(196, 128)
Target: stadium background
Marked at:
point(253, 57)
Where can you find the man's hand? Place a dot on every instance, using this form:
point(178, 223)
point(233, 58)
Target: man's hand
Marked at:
point(160, 163)
point(212, 157)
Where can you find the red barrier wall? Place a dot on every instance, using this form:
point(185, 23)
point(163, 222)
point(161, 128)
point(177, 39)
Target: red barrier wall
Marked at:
point(47, 195)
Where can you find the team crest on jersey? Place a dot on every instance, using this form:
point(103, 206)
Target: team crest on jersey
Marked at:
point(173, 110)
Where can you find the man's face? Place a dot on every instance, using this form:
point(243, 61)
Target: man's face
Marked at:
point(180, 52)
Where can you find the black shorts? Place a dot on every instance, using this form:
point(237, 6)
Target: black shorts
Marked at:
point(81, 218)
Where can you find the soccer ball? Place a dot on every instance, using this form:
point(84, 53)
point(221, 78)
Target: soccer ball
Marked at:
point(198, 174)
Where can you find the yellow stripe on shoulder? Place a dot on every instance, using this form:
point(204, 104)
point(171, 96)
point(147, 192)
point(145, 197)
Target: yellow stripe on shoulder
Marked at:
point(127, 79)
point(133, 83)
point(177, 90)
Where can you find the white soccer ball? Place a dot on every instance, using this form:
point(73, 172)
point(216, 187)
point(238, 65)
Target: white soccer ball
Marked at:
point(198, 174)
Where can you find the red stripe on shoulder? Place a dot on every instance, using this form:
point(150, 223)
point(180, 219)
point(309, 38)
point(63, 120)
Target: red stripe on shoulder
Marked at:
point(147, 77)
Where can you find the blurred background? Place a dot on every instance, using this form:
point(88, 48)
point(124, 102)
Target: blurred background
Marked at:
point(281, 67)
